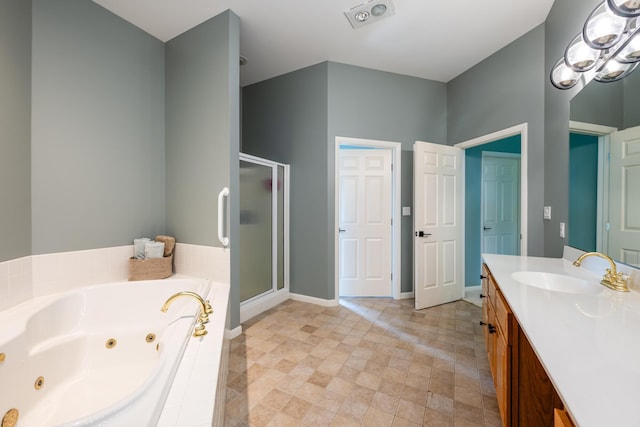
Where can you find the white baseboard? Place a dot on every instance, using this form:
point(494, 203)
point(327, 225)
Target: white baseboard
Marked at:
point(314, 300)
point(262, 304)
point(406, 295)
point(472, 288)
point(232, 333)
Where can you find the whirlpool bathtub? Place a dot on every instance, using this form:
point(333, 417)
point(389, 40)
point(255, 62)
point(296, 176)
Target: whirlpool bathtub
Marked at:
point(102, 355)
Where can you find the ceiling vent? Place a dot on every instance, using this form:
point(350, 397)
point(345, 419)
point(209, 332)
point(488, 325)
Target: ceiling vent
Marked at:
point(369, 12)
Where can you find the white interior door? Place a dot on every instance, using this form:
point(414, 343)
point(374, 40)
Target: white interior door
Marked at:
point(500, 203)
point(365, 222)
point(624, 196)
point(438, 199)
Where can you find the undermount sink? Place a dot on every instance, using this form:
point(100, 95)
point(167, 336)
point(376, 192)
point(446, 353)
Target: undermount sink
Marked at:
point(557, 282)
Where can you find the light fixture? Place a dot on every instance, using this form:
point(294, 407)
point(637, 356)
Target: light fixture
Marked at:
point(369, 12)
point(603, 28)
point(630, 52)
point(607, 44)
point(564, 77)
point(614, 71)
point(361, 16)
point(379, 9)
point(626, 8)
point(579, 56)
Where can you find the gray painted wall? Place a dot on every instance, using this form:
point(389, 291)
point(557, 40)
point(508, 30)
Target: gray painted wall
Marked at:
point(285, 119)
point(372, 104)
point(97, 129)
point(202, 135)
point(599, 103)
point(631, 100)
point(295, 118)
point(505, 90)
point(15, 129)
point(565, 20)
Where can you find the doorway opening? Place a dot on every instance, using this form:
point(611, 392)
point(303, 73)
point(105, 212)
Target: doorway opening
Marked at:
point(588, 215)
point(473, 225)
point(346, 261)
point(263, 234)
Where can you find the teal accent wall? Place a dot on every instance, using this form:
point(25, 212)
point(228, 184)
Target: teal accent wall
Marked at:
point(15, 129)
point(97, 143)
point(583, 191)
point(473, 203)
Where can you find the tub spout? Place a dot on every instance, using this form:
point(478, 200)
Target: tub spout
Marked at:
point(205, 310)
point(612, 278)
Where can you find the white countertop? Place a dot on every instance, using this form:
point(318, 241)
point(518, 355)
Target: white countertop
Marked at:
point(588, 344)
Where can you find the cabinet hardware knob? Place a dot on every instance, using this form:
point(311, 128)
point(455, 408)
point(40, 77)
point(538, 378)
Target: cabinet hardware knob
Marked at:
point(482, 323)
point(492, 329)
point(482, 296)
point(482, 277)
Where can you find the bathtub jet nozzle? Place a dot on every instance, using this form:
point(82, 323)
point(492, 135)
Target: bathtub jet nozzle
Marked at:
point(205, 310)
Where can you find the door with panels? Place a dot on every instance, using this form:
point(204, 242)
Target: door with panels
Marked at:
point(365, 222)
point(438, 200)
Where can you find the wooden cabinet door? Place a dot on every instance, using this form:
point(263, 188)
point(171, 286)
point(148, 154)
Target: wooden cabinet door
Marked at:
point(485, 306)
point(561, 418)
point(502, 376)
point(536, 394)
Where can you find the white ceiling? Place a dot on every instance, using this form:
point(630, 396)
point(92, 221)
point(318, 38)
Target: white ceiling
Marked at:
point(432, 39)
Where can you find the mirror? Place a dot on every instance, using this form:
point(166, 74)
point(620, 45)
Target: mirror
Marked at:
point(597, 199)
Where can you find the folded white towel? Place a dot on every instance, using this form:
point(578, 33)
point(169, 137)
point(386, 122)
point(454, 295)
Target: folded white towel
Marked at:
point(154, 250)
point(138, 247)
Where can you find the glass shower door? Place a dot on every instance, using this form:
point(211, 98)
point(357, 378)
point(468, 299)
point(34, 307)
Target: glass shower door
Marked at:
point(256, 228)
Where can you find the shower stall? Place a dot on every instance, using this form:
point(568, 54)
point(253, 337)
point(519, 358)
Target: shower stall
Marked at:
point(264, 235)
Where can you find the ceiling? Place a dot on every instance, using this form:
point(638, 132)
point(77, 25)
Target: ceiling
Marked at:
point(431, 39)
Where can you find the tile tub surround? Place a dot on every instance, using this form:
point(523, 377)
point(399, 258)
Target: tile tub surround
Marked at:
point(29, 277)
point(197, 394)
point(15, 282)
point(196, 388)
point(588, 344)
point(369, 361)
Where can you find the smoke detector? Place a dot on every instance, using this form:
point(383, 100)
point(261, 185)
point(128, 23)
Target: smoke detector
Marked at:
point(369, 12)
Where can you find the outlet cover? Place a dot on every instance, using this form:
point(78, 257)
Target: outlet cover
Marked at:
point(547, 212)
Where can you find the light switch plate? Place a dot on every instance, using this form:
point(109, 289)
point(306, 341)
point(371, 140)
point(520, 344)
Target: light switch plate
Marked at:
point(562, 230)
point(547, 212)
point(406, 211)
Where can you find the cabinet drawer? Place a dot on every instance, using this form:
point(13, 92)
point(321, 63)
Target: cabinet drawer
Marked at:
point(491, 290)
point(503, 314)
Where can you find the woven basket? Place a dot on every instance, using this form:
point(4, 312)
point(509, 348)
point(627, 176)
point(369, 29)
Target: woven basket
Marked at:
point(150, 268)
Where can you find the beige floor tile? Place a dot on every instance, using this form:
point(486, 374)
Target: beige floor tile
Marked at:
point(434, 418)
point(366, 362)
point(276, 399)
point(353, 409)
point(261, 415)
point(410, 411)
point(318, 417)
point(377, 418)
point(385, 402)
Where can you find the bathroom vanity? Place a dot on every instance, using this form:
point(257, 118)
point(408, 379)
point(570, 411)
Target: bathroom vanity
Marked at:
point(563, 349)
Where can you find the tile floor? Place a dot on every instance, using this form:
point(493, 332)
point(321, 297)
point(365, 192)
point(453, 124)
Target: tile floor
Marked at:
point(368, 362)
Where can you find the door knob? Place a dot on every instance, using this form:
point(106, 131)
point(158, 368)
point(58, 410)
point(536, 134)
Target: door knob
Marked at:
point(486, 228)
point(341, 230)
point(422, 234)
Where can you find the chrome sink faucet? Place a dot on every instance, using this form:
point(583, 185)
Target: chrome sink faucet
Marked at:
point(612, 279)
point(205, 310)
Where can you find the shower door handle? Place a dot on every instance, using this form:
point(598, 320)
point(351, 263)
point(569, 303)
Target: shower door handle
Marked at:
point(221, 228)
